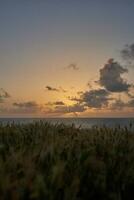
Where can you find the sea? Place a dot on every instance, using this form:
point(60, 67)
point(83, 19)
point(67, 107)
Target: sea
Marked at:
point(78, 122)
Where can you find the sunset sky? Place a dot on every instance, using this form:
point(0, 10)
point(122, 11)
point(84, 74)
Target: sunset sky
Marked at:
point(67, 58)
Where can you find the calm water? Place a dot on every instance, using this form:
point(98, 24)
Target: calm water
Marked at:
point(83, 122)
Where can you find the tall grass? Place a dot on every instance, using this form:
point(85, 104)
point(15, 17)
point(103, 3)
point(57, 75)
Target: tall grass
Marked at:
point(41, 161)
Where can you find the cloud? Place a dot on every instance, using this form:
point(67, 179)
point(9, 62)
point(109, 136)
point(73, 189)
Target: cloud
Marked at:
point(29, 104)
point(131, 103)
point(111, 79)
point(72, 66)
point(49, 88)
point(27, 107)
point(130, 94)
point(74, 99)
point(53, 89)
point(128, 53)
point(97, 98)
point(56, 103)
point(118, 104)
point(3, 95)
point(74, 109)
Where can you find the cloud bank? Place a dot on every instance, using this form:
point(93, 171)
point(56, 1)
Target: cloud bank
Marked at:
point(60, 110)
point(26, 107)
point(98, 98)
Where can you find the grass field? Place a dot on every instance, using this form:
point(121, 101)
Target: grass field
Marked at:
point(41, 161)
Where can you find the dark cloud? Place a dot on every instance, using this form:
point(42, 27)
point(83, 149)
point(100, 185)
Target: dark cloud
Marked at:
point(27, 107)
point(72, 66)
point(74, 99)
point(49, 88)
point(59, 103)
point(29, 104)
point(97, 98)
point(118, 104)
point(130, 95)
point(89, 84)
point(128, 53)
point(53, 89)
point(3, 95)
point(76, 108)
point(80, 92)
point(56, 103)
point(131, 103)
point(111, 79)
point(23, 108)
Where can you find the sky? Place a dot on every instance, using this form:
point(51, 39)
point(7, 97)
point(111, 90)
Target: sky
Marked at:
point(66, 58)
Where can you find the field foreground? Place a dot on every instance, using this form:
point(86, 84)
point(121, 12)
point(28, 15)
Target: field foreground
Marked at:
point(41, 161)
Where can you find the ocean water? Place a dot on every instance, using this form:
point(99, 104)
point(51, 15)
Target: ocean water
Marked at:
point(82, 122)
